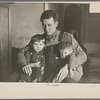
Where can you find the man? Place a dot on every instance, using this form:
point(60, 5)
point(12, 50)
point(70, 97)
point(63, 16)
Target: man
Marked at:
point(53, 36)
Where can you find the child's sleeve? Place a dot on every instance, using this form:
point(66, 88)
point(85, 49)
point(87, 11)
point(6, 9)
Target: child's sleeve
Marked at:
point(73, 62)
point(43, 61)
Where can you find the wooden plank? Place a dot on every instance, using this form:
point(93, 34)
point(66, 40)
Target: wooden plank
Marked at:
point(4, 34)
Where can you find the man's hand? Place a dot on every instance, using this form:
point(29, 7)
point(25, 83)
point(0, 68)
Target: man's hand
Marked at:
point(27, 69)
point(61, 75)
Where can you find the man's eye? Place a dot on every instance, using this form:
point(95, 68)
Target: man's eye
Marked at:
point(49, 24)
point(43, 25)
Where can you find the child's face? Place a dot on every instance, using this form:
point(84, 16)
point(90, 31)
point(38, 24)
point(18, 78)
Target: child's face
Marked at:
point(65, 52)
point(38, 45)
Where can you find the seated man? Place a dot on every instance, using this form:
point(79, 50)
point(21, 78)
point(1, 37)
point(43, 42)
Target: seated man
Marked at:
point(49, 20)
point(53, 36)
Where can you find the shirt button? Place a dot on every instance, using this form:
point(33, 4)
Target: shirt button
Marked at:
point(56, 58)
point(42, 72)
point(31, 53)
point(42, 68)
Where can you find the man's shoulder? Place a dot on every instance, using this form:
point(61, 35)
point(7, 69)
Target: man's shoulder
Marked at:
point(64, 34)
point(25, 49)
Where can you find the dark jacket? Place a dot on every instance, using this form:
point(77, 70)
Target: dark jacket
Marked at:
point(53, 62)
point(32, 56)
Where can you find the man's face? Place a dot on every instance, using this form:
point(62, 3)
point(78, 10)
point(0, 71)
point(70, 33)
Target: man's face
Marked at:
point(65, 52)
point(49, 26)
point(39, 45)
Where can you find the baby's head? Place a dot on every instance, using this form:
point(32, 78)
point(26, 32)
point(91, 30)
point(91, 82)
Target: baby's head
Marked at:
point(37, 42)
point(65, 48)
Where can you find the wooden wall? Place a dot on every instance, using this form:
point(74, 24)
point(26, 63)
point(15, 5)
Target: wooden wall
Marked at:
point(4, 43)
point(25, 22)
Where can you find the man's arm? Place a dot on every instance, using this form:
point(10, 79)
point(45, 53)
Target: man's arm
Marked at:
point(21, 57)
point(80, 56)
point(77, 58)
point(22, 61)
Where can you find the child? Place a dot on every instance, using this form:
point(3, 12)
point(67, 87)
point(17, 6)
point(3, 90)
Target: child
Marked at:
point(73, 70)
point(53, 62)
point(34, 63)
point(61, 63)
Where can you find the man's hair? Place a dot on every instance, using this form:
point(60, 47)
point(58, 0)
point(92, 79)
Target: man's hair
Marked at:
point(36, 38)
point(48, 14)
point(64, 44)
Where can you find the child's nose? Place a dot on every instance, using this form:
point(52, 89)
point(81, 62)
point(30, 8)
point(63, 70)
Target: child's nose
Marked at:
point(37, 46)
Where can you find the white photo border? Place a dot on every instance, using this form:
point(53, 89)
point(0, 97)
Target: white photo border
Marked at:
point(50, 90)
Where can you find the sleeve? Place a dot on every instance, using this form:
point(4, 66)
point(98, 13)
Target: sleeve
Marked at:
point(21, 56)
point(43, 61)
point(73, 62)
point(79, 57)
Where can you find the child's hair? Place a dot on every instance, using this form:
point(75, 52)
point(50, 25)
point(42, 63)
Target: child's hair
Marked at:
point(64, 44)
point(37, 38)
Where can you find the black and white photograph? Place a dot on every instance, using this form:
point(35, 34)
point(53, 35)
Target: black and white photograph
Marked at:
point(49, 42)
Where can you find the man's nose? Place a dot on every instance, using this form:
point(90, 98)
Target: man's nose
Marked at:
point(46, 27)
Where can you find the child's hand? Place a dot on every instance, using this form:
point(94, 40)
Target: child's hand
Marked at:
point(27, 69)
point(71, 72)
point(37, 64)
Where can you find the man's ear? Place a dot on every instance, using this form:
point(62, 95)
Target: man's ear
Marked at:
point(56, 23)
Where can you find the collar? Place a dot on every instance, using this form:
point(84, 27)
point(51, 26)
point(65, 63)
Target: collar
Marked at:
point(40, 53)
point(52, 37)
